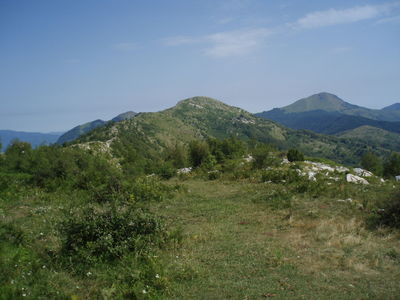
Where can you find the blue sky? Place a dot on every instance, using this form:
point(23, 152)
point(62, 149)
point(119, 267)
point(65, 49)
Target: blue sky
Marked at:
point(63, 63)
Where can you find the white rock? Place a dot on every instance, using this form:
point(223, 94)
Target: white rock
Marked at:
point(311, 176)
point(362, 172)
point(185, 170)
point(285, 161)
point(249, 158)
point(341, 169)
point(356, 179)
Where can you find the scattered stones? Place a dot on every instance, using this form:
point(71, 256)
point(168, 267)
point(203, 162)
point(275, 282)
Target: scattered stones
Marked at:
point(349, 200)
point(285, 161)
point(356, 179)
point(249, 158)
point(185, 170)
point(362, 172)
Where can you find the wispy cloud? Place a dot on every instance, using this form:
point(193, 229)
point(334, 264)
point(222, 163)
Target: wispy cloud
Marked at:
point(225, 44)
point(350, 15)
point(389, 20)
point(128, 46)
point(225, 20)
point(234, 43)
point(246, 40)
point(181, 40)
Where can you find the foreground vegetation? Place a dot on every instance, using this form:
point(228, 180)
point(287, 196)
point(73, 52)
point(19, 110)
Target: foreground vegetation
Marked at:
point(81, 223)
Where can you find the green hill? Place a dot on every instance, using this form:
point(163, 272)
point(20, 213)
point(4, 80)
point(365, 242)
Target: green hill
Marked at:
point(331, 103)
point(200, 117)
point(375, 135)
point(79, 130)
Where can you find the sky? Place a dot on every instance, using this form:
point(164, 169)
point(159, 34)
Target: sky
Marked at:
point(67, 62)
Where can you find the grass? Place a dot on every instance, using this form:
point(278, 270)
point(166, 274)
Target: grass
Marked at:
point(230, 239)
point(238, 247)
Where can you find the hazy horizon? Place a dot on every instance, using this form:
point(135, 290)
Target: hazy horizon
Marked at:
point(66, 63)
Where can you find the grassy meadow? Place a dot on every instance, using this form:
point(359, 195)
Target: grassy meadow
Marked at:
point(78, 225)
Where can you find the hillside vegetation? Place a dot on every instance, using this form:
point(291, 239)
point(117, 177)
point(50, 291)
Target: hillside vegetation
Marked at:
point(242, 222)
point(200, 117)
point(328, 114)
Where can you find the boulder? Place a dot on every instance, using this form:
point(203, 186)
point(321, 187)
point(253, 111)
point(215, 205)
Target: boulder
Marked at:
point(356, 179)
point(362, 172)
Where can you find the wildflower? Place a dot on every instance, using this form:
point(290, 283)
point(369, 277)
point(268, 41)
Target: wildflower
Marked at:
point(88, 273)
point(24, 295)
point(144, 292)
point(43, 267)
point(157, 276)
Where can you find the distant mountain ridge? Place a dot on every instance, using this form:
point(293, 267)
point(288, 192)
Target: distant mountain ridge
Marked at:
point(328, 114)
point(149, 134)
point(331, 103)
point(79, 130)
point(34, 138)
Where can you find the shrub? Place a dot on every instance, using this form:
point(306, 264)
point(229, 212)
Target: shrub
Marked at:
point(371, 162)
point(262, 155)
point(278, 176)
point(295, 155)
point(392, 165)
point(97, 234)
point(198, 152)
point(167, 170)
point(387, 213)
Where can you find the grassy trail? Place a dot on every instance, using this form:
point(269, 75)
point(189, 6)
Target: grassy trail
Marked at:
point(237, 246)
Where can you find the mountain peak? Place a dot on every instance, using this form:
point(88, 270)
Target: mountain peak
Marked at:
point(321, 101)
point(124, 116)
point(200, 100)
point(395, 106)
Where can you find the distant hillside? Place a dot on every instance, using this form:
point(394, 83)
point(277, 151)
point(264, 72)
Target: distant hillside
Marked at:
point(393, 107)
point(331, 103)
point(149, 134)
point(34, 138)
point(79, 130)
point(328, 114)
point(326, 122)
point(371, 134)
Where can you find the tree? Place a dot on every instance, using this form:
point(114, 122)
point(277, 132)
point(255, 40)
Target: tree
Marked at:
point(177, 155)
point(18, 156)
point(392, 165)
point(262, 156)
point(295, 155)
point(371, 162)
point(198, 152)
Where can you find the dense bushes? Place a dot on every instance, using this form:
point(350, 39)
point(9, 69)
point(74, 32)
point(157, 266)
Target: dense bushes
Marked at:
point(263, 156)
point(295, 155)
point(105, 233)
point(373, 163)
point(387, 212)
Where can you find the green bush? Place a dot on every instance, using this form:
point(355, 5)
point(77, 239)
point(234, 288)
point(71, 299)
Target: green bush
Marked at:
point(198, 152)
point(279, 176)
point(166, 170)
point(373, 163)
point(98, 234)
point(387, 213)
point(391, 166)
point(295, 155)
point(263, 156)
